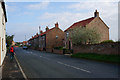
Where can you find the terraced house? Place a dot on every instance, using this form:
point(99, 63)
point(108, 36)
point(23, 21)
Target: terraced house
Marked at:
point(49, 39)
point(93, 22)
point(3, 20)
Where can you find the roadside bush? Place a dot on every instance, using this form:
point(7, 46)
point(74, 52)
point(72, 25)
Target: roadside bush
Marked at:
point(107, 41)
point(67, 51)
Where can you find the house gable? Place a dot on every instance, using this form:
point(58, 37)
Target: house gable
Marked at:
point(100, 27)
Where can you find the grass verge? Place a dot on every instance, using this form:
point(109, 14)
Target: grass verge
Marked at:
point(98, 57)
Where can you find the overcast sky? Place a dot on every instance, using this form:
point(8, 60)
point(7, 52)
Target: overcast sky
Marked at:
point(24, 18)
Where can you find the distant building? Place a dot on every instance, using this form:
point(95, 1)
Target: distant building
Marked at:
point(49, 39)
point(24, 43)
point(3, 20)
point(93, 22)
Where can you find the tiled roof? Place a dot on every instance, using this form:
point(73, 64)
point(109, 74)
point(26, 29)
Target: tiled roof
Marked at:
point(24, 41)
point(46, 31)
point(41, 34)
point(81, 23)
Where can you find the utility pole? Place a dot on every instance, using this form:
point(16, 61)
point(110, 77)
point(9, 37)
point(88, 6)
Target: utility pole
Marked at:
point(25, 37)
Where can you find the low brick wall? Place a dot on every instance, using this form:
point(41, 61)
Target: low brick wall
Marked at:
point(49, 50)
point(40, 49)
point(103, 48)
point(57, 51)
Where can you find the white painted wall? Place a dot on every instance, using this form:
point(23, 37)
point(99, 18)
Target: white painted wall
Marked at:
point(2, 34)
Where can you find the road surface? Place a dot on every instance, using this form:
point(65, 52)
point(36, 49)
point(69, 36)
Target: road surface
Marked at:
point(37, 64)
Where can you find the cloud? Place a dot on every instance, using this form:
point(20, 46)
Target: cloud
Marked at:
point(10, 8)
point(108, 13)
point(41, 5)
point(62, 0)
point(64, 19)
point(20, 30)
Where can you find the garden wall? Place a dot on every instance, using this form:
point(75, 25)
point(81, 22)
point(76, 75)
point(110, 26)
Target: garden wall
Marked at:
point(57, 51)
point(103, 48)
point(49, 50)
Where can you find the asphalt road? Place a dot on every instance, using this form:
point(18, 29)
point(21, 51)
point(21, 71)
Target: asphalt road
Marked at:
point(38, 64)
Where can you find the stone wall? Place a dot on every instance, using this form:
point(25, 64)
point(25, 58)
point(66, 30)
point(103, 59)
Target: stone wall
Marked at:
point(103, 48)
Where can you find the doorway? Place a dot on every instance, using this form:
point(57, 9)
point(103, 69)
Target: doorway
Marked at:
point(69, 45)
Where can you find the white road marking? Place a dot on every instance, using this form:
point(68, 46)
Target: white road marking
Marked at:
point(20, 68)
point(74, 67)
point(40, 56)
point(46, 58)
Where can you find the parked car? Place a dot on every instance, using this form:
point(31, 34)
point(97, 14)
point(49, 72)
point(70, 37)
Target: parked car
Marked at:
point(25, 47)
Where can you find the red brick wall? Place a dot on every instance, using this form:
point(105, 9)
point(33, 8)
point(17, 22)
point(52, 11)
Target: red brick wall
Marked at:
point(51, 40)
point(105, 48)
point(48, 50)
point(57, 51)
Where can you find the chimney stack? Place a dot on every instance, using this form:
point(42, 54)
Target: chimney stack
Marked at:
point(41, 31)
point(96, 14)
point(47, 28)
point(37, 34)
point(57, 25)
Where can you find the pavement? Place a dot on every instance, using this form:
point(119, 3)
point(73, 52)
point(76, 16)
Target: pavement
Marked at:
point(37, 64)
point(11, 70)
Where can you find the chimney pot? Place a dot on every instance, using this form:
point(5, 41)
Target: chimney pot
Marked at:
point(41, 31)
point(57, 25)
point(96, 14)
point(47, 28)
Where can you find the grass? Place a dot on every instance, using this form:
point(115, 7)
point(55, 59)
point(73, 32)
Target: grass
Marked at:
point(98, 57)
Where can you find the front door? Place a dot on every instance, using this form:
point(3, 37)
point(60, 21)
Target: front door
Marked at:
point(69, 45)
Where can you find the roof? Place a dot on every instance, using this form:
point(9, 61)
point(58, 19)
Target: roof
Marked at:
point(41, 34)
point(46, 31)
point(4, 10)
point(81, 23)
point(24, 41)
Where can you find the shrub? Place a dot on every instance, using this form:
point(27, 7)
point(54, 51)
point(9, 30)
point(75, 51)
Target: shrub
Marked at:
point(107, 41)
point(67, 51)
point(59, 48)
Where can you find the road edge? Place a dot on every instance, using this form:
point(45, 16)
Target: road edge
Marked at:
point(20, 68)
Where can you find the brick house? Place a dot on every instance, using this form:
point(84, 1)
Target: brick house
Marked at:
point(49, 39)
point(3, 20)
point(93, 22)
point(24, 43)
point(33, 41)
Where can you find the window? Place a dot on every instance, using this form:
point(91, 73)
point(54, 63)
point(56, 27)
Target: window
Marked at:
point(67, 34)
point(43, 37)
point(56, 36)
